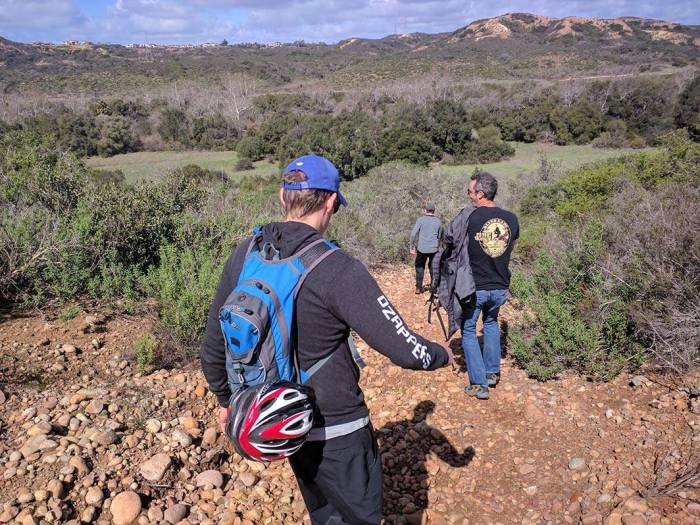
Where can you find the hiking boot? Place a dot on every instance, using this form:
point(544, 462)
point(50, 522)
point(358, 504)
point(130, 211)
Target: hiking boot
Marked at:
point(478, 391)
point(493, 379)
point(419, 290)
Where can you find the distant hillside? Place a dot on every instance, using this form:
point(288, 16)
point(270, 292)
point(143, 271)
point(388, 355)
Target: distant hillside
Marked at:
point(510, 46)
point(544, 29)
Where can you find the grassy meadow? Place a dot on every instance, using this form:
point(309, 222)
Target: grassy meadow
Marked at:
point(527, 158)
point(146, 165)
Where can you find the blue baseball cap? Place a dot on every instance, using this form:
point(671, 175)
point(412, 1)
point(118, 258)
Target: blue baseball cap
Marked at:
point(320, 173)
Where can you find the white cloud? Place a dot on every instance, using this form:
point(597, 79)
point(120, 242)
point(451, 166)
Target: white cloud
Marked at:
point(37, 19)
point(287, 20)
point(162, 21)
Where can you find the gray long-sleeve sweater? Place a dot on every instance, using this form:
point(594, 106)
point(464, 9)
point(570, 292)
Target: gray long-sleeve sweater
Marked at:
point(426, 234)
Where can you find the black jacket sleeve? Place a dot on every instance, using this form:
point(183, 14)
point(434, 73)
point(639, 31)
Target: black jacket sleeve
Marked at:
point(213, 351)
point(358, 300)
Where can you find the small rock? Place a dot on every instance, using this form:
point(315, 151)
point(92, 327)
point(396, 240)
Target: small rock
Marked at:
point(693, 508)
point(248, 479)
point(209, 437)
point(154, 469)
point(613, 519)
point(88, 515)
point(624, 492)
point(181, 438)
point(633, 519)
point(26, 519)
point(190, 423)
point(40, 429)
point(210, 477)
point(635, 504)
point(175, 513)
point(125, 508)
point(8, 514)
point(94, 496)
point(95, 407)
point(153, 426)
point(526, 469)
point(155, 514)
point(593, 518)
point(604, 498)
point(24, 495)
point(638, 381)
point(104, 437)
point(55, 488)
point(79, 464)
point(69, 349)
point(577, 464)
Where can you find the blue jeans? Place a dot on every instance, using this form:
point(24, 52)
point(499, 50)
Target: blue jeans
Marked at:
point(478, 365)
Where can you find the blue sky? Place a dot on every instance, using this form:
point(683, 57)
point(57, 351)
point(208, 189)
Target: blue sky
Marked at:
point(197, 21)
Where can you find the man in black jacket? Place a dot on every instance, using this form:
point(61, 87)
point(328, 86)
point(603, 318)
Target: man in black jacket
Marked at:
point(338, 469)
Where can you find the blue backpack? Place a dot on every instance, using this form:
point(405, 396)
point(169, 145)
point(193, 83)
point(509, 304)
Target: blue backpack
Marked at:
point(258, 315)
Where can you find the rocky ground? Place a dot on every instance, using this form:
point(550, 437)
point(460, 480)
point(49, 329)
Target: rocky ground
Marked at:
point(84, 436)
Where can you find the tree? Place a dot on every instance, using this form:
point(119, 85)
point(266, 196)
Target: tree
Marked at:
point(688, 109)
point(116, 137)
point(450, 126)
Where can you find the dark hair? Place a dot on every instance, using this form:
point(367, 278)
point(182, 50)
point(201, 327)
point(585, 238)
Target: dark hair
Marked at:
point(485, 183)
point(299, 203)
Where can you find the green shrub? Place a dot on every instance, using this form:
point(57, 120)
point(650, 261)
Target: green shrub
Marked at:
point(107, 177)
point(244, 164)
point(572, 319)
point(616, 281)
point(145, 352)
point(184, 282)
point(579, 123)
point(116, 136)
point(69, 313)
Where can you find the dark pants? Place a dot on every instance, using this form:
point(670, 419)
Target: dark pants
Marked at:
point(341, 479)
point(421, 259)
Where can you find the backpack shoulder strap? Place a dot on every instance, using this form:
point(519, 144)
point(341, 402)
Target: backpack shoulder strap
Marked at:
point(254, 241)
point(353, 351)
point(311, 256)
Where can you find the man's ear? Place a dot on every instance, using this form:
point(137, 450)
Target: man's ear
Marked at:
point(330, 202)
point(281, 195)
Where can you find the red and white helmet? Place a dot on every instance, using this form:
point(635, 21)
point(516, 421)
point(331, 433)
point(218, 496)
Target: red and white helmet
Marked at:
point(270, 421)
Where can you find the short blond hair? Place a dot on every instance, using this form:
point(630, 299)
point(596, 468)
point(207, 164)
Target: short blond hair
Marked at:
point(299, 203)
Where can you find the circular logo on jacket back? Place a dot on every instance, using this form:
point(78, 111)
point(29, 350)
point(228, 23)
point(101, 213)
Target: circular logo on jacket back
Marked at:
point(494, 237)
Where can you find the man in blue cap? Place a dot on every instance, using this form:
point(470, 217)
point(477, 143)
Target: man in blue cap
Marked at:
point(338, 469)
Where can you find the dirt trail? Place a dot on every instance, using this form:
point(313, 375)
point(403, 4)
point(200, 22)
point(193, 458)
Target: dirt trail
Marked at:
point(80, 425)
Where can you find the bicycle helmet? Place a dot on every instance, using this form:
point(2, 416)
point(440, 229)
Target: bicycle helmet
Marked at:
point(270, 421)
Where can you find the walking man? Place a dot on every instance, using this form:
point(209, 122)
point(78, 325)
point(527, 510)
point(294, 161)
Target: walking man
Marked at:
point(425, 240)
point(338, 469)
point(492, 232)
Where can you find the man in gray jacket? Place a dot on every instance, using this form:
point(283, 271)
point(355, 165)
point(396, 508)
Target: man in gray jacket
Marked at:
point(425, 240)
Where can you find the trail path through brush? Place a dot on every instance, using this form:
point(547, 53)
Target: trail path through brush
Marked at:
point(85, 436)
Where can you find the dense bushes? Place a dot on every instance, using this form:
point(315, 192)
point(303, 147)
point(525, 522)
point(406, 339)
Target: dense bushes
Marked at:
point(616, 268)
point(688, 110)
point(607, 263)
point(66, 233)
point(357, 142)
point(378, 128)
